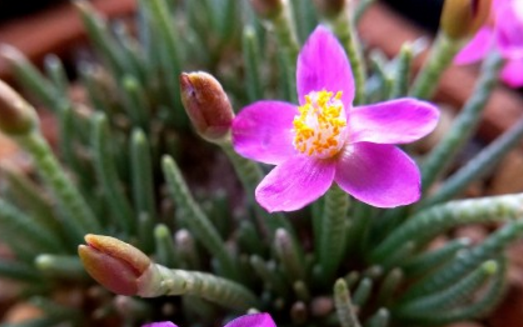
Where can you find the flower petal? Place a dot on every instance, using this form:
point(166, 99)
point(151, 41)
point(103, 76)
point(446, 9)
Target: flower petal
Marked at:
point(392, 122)
point(323, 64)
point(509, 29)
point(160, 324)
point(512, 73)
point(477, 48)
point(295, 183)
point(262, 131)
point(253, 320)
point(379, 174)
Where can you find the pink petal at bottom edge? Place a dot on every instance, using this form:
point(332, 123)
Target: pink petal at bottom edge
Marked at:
point(253, 320)
point(295, 183)
point(160, 324)
point(512, 73)
point(378, 174)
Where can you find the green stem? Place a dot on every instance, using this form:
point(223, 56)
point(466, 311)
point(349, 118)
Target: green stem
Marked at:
point(16, 226)
point(56, 72)
point(165, 248)
point(403, 67)
point(136, 102)
point(186, 250)
point(344, 307)
point(426, 261)
point(19, 271)
point(344, 28)
point(30, 77)
point(96, 27)
point(289, 256)
point(142, 174)
point(79, 216)
point(468, 261)
point(423, 226)
point(29, 196)
point(451, 297)
point(362, 292)
point(283, 25)
point(271, 277)
point(162, 281)
point(107, 174)
point(379, 319)
point(332, 239)
point(198, 223)
point(464, 125)
point(492, 296)
point(478, 167)
point(251, 58)
point(443, 51)
point(61, 267)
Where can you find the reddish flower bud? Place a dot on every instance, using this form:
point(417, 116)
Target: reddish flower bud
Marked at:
point(207, 105)
point(463, 18)
point(17, 117)
point(113, 263)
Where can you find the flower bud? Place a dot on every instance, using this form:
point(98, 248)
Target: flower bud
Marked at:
point(463, 18)
point(267, 8)
point(17, 117)
point(207, 105)
point(113, 263)
point(330, 8)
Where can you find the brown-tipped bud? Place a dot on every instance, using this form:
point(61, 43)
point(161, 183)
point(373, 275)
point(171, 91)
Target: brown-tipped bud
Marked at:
point(207, 105)
point(17, 117)
point(113, 263)
point(462, 18)
point(330, 8)
point(267, 8)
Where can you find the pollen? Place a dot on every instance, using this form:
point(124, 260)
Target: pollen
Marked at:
point(319, 128)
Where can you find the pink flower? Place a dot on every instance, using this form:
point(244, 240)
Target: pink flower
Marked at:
point(253, 320)
point(325, 139)
point(504, 33)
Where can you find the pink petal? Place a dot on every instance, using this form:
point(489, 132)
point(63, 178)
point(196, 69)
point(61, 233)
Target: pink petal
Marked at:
point(512, 73)
point(160, 324)
point(392, 122)
point(477, 48)
point(509, 29)
point(497, 4)
point(254, 320)
point(295, 183)
point(263, 131)
point(378, 174)
point(323, 64)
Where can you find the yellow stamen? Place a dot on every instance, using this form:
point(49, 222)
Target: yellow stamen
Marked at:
point(320, 125)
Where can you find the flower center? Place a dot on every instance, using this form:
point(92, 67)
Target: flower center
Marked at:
point(320, 126)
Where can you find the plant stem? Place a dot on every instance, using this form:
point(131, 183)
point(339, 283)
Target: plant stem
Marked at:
point(78, 215)
point(163, 281)
point(443, 51)
point(344, 28)
point(464, 126)
point(331, 241)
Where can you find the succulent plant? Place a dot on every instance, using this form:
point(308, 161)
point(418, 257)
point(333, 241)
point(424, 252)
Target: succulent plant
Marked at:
point(146, 171)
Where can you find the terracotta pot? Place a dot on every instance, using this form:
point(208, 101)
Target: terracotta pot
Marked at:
point(54, 30)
